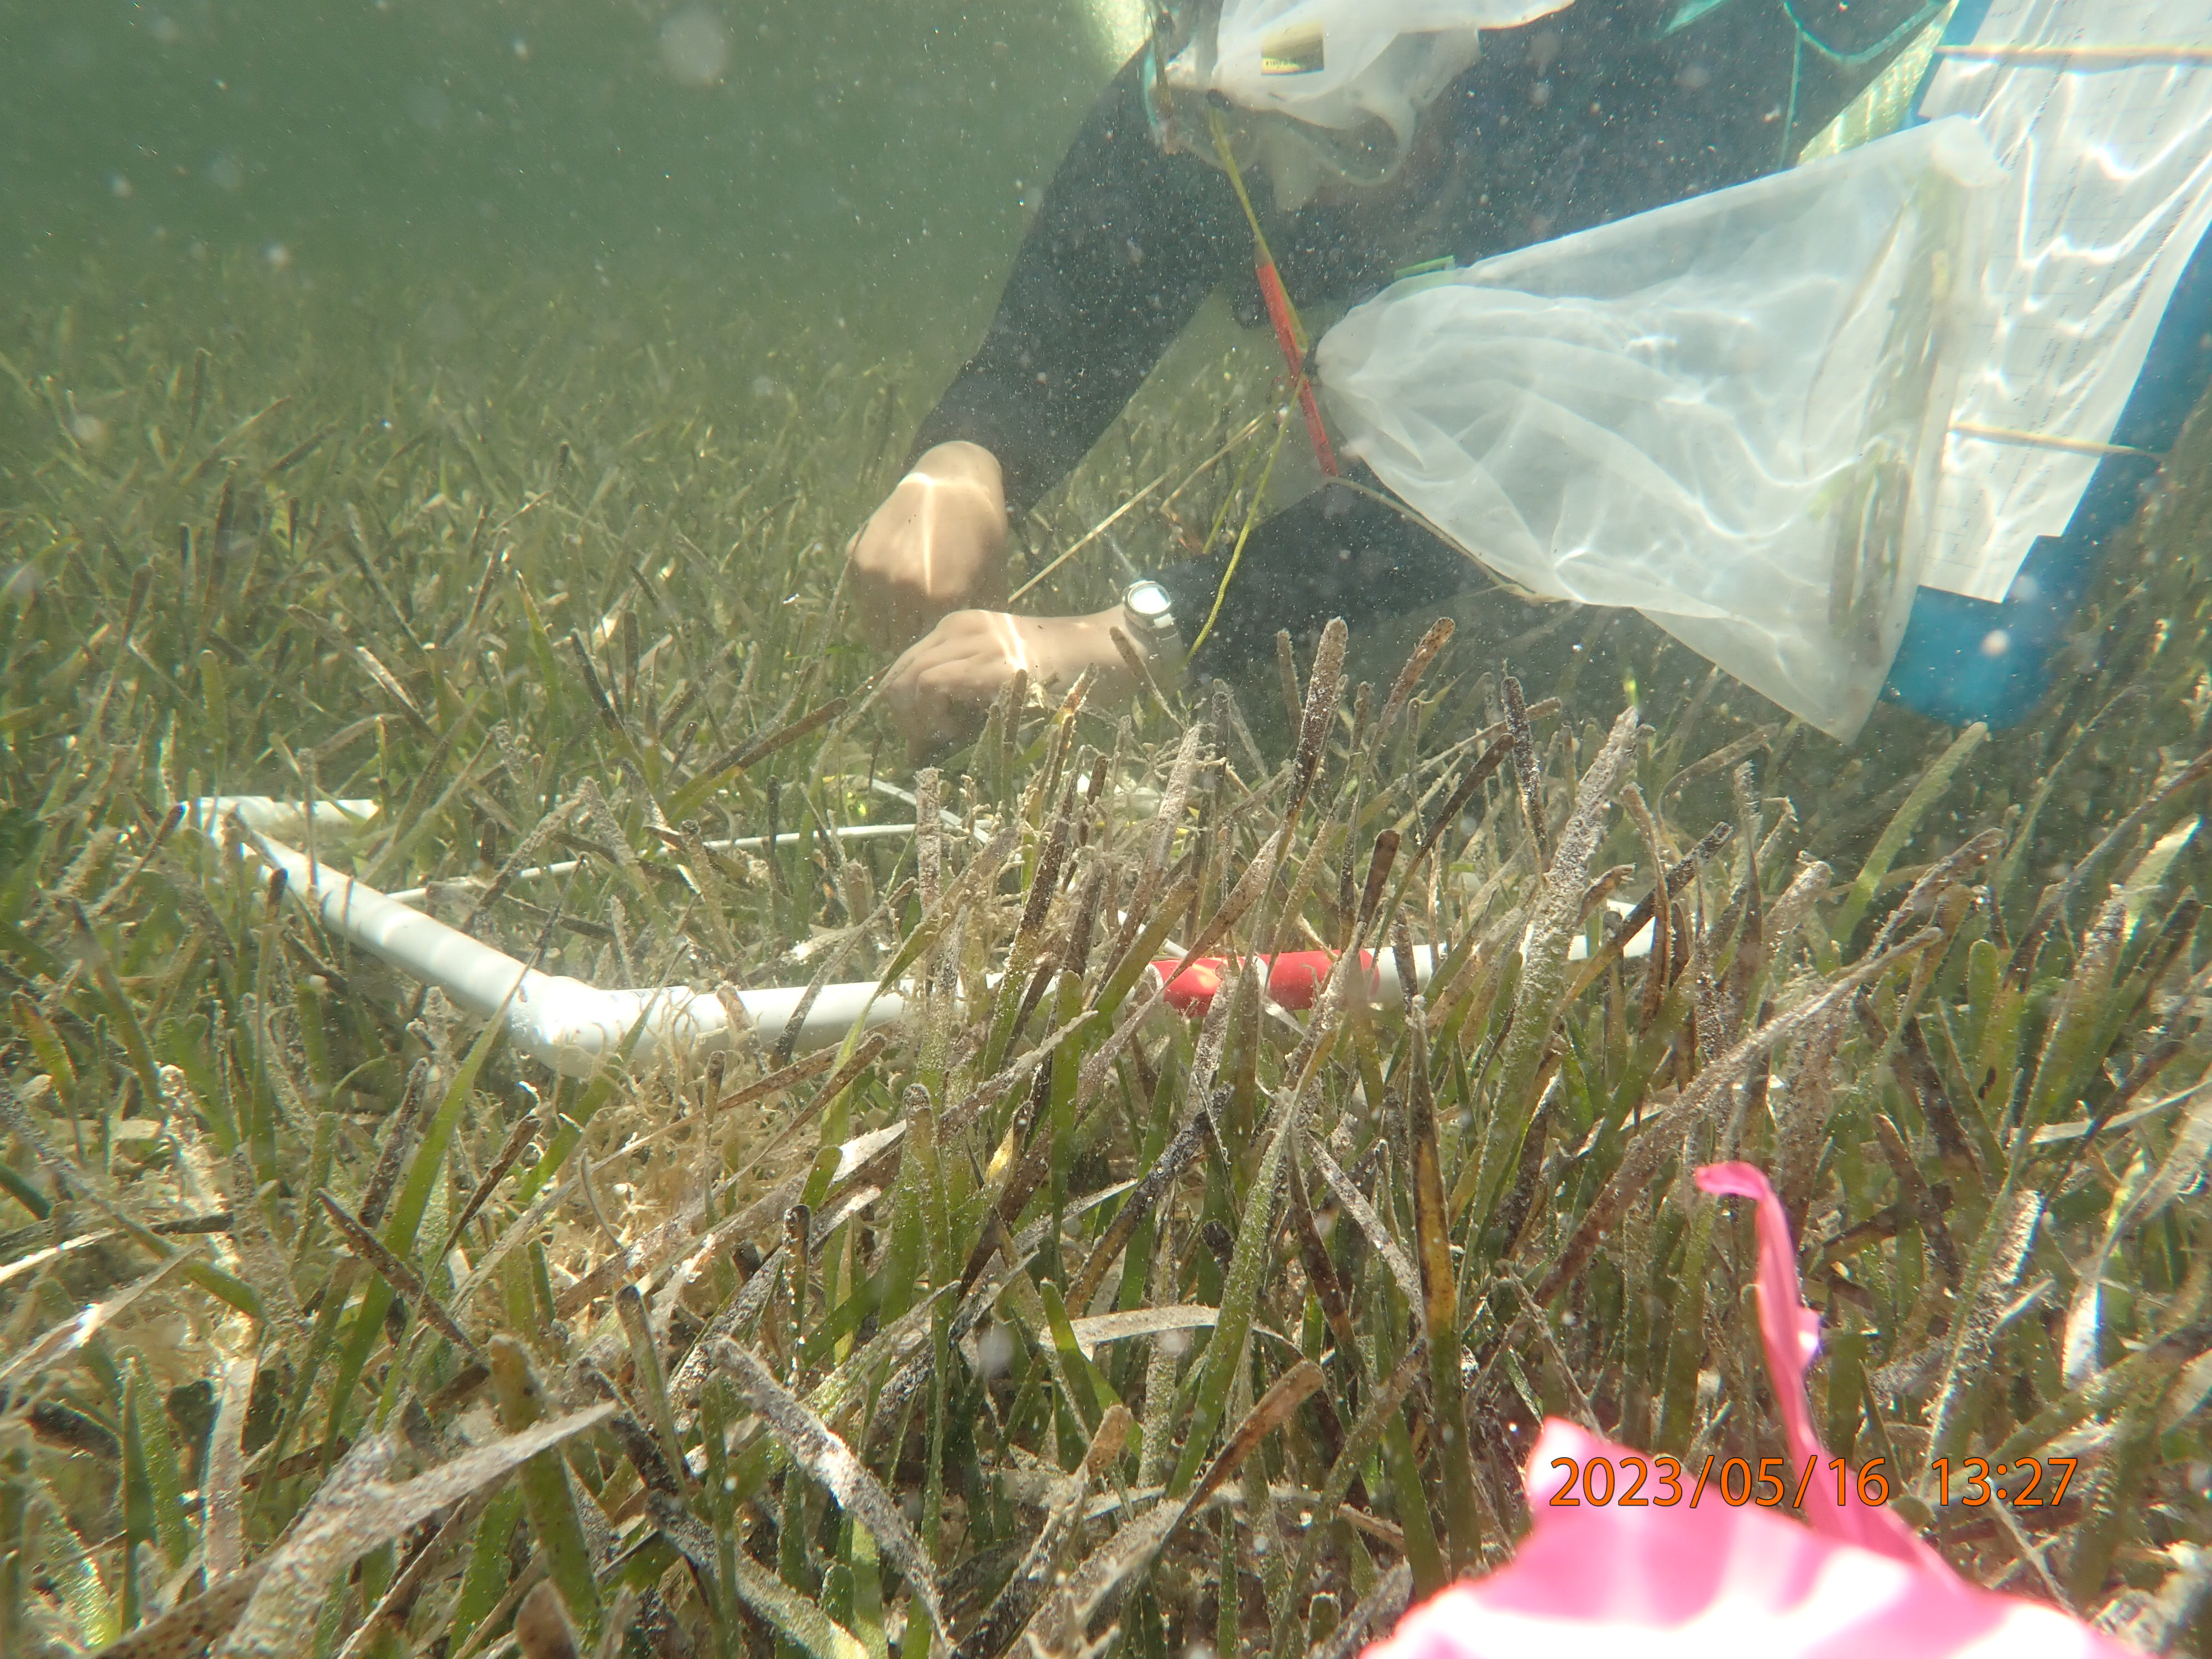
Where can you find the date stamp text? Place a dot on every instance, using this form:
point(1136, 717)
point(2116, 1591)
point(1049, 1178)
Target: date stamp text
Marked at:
point(1636, 1482)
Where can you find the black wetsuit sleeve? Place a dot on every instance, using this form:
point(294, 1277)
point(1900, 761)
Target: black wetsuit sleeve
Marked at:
point(1336, 553)
point(1126, 244)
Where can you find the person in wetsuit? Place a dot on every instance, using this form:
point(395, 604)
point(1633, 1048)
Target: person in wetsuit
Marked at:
point(1602, 109)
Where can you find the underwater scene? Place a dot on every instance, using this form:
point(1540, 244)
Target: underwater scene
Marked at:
point(848, 827)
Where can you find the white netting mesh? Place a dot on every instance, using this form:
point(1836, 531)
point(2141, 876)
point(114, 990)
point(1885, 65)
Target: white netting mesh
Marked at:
point(1339, 63)
point(1725, 413)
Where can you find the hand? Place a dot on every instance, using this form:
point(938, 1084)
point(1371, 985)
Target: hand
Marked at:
point(937, 544)
point(940, 690)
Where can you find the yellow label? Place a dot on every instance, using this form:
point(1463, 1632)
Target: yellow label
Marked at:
point(1293, 52)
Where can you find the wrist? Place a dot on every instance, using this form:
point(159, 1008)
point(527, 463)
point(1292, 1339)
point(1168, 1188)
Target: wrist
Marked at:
point(1149, 619)
point(1086, 641)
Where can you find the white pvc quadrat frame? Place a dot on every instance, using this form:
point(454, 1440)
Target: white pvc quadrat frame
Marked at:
point(566, 1023)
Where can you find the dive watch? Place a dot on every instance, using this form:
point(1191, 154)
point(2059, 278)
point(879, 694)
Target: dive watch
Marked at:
point(1150, 611)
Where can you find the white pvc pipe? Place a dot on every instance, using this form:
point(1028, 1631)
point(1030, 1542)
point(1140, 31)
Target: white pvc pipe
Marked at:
point(272, 817)
point(569, 1025)
point(565, 1023)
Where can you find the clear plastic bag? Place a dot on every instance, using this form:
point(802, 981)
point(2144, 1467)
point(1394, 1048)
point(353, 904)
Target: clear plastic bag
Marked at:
point(1316, 91)
point(1727, 413)
point(2109, 190)
point(1339, 63)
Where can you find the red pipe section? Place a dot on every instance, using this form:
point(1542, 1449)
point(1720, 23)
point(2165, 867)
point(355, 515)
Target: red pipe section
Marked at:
point(1295, 978)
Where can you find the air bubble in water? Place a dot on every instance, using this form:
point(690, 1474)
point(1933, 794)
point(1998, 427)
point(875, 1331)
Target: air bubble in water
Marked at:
point(694, 47)
point(429, 108)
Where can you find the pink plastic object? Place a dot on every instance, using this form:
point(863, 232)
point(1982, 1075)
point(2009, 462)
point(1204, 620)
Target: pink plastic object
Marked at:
point(1790, 1333)
point(1294, 978)
point(1716, 1581)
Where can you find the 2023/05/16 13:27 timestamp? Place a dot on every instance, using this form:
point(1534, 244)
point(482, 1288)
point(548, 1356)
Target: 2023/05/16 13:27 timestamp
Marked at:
point(1633, 1482)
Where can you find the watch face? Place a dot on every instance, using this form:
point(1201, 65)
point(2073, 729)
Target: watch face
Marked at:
point(1147, 599)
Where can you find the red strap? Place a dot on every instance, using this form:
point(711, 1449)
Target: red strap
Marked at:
point(1279, 312)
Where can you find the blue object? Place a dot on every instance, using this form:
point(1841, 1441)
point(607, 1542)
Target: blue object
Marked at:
point(1965, 660)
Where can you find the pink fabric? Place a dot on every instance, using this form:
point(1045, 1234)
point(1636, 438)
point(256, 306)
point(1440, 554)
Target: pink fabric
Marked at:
point(1715, 1581)
point(1791, 1333)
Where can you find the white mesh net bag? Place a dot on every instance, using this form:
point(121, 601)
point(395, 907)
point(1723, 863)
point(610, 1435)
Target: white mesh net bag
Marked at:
point(1337, 63)
point(1323, 90)
point(1726, 413)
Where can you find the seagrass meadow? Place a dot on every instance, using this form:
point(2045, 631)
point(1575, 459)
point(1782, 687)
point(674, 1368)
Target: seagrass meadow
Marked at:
point(1047, 1321)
